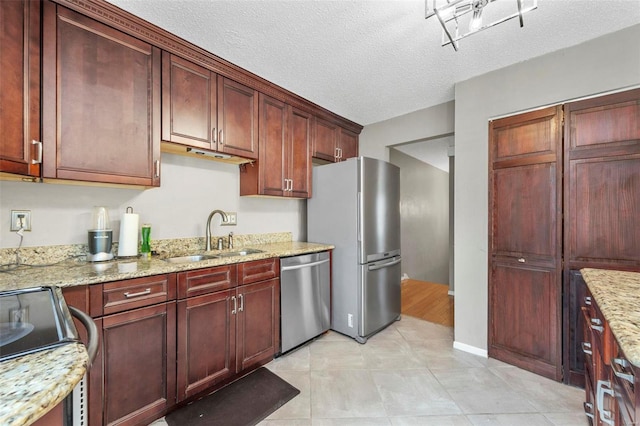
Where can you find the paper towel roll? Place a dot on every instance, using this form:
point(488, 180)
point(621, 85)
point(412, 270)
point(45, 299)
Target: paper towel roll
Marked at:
point(128, 244)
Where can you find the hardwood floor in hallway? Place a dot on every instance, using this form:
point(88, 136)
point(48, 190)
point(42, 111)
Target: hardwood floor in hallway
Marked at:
point(428, 301)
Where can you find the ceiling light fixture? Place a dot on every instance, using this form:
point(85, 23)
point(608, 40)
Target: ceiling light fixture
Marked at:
point(457, 15)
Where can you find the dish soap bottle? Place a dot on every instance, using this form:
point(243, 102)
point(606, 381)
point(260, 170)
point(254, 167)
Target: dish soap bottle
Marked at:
point(145, 247)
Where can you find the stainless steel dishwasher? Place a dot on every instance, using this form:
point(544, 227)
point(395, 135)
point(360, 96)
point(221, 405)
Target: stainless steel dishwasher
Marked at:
point(305, 298)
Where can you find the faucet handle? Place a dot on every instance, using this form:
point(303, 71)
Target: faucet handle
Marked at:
point(230, 240)
point(220, 244)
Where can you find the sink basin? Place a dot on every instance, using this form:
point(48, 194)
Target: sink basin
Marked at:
point(190, 259)
point(239, 253)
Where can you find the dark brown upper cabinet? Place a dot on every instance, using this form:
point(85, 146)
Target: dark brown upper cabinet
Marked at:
point(284, 165)
point(100, 102)
point(21, 149)
point(204, 110)
point(602, 167)
point(333, 143)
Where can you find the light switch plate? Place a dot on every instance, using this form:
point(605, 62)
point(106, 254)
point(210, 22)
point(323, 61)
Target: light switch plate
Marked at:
point(20, 217)
point(232, 219)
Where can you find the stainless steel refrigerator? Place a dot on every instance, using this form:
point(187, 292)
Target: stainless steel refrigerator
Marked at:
point(356, 207)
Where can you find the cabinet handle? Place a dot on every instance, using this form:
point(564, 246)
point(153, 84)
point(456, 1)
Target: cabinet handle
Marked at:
point(340, 149)
point(522, 260)
point(286, 185)
point(588, 409)
point(220, 137)
point(156, 168)
point(241, 308)
point(38, 159)
point(140, 293)
point(214, 139)
point(617, 365)
point(586, 348)
point(235, 305)
point(587, 300)
point(604, 387)
point(337, 153)
point(290, 185)
point(596, 324)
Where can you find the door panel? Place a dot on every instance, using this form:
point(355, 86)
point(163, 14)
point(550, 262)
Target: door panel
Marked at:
point(237, 119)
point(379, 210)
point(273, 155)
point(525, 318)
point(380, 294)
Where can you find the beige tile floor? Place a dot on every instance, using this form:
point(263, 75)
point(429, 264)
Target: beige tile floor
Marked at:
point(409, 375)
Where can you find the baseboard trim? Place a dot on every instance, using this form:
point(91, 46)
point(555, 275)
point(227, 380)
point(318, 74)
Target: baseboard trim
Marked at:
point(471, 349)
point(450, 293)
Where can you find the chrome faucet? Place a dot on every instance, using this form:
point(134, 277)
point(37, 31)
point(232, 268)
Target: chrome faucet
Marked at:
point(208, 230)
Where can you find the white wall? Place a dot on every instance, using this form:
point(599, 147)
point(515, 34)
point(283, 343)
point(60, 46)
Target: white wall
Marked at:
point(428, 123)
point(604, 64)
point(190, 189)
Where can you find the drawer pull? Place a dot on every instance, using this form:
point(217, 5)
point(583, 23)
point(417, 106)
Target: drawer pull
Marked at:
point(604, 387)
point(617, 370)
point(522, 260)
point(140, 293)
point(587, 300)
point(588, 409)
point(596, 324)
point(235, 305)
point(586, 348)
point(241, 308)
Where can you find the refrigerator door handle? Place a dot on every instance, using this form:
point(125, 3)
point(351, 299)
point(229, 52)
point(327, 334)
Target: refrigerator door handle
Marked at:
point(376, 266)
point(303, 265)
point(360, 218)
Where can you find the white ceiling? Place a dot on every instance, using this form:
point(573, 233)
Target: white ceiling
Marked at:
point(370, 60)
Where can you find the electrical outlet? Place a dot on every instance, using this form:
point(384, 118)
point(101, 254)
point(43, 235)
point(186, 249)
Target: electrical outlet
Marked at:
point(232, 219)
point(20, 219)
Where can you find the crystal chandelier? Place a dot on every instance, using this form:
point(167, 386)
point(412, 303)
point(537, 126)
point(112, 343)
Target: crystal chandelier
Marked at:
point(461, 18)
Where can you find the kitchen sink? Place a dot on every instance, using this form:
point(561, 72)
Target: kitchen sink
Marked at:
point(239, 253)
point(190, 259)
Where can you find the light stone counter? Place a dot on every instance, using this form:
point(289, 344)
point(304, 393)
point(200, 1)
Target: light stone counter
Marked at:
point(617, 294)
point(33, 384)
point(73, 272)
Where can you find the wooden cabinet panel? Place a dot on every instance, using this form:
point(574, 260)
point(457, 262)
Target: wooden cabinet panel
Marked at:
point(101, 102)
point(206, 341)
point(151, 361)
point(575, 291)
point(537, 135)
point(258, 323)
point(347, 145)
point(524, 212)
point(525, 199)
point(20, 87)
point(274, 153)
point(119, 296)
point(237, 119)
point(325, 140)
point(258, 270)
point(300, 142)
point(208, 280)
point(526, 334)
point(604, 201)
point(189, 103)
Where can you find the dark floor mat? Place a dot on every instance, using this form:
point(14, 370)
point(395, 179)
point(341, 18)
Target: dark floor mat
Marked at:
point(244, 402)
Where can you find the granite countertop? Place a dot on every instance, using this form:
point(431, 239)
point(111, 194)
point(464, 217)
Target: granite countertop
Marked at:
point(617, 294)
point(33, 384)
point(73, 272)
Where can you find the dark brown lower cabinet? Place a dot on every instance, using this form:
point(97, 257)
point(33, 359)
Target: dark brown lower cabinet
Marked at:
point(139, 364)
point(229, 329)
point(575, 291)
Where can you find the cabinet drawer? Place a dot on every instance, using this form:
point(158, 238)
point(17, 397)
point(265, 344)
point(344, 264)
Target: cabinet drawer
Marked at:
point(258, 270)
point(203, 281)
point(624, 381)
point(119, 296)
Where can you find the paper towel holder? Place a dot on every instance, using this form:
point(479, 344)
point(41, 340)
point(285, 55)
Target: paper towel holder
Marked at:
point(128, 233)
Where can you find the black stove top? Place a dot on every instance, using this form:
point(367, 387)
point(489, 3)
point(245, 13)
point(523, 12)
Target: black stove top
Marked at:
point(33, 319)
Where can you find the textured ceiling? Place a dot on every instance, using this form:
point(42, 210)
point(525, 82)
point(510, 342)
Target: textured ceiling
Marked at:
point(370, 60)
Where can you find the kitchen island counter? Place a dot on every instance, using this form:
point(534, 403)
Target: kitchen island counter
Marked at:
point(617, 294)
point(33, 384)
